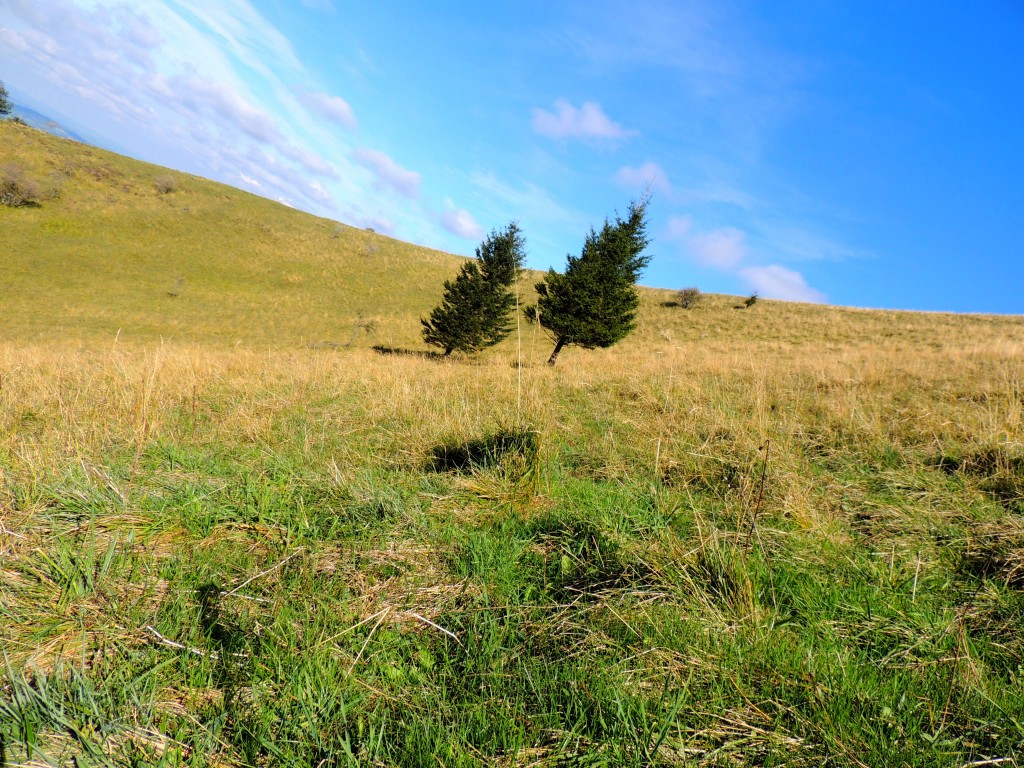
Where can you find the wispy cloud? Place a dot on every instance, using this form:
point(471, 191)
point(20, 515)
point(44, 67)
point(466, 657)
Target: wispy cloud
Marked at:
point(460, 222)
point(640, 177)
point(722, 248)
point(586, 122)
point(387, 173)
point(678, 227)
point(727, 249)
point(135, 69)
point(333, 108)
point(777, 282)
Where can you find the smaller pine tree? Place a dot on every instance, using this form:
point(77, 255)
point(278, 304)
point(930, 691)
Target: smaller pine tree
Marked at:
point(477, 306)
point(594, 302)
point(5, 101)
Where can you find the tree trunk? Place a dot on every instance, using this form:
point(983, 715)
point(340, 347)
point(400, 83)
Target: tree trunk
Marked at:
point(558, 348)
point(448, 351)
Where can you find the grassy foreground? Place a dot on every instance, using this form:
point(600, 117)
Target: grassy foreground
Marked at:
point(787, 535)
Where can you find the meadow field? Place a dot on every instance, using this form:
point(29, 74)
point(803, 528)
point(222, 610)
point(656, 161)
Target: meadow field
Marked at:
point(234, 533)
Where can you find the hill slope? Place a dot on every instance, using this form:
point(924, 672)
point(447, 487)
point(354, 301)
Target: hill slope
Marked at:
point(104, 259)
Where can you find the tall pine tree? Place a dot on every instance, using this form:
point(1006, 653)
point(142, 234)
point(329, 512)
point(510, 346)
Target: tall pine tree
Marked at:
point(477, 306)
point(593, 303)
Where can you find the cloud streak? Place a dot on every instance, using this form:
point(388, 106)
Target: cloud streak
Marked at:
point(721, 248)
point(726, 249)
point(640, 177)
point(333, 108)
point(777, 282)
point(387, 173)
point(460, 222)
point(586, 122)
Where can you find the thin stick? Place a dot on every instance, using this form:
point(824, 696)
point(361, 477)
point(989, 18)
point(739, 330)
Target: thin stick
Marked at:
point(262, 573)
point(172, 644)
point(519, 362)
point(760, 492)
point(450, 634)
point(369, 637)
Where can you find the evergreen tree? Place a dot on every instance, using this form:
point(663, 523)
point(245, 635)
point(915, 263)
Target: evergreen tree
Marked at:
point(593, 303)
point(5, 101)
point(477, 306)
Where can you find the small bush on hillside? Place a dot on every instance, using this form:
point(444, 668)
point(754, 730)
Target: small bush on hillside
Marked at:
point(751, 300)
point(688, 297)
point(55, 185)
point(165, 184)
point(17, 190)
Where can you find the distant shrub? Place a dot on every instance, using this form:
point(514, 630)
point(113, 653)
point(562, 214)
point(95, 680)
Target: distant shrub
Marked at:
point(688, 297)
point(751, 300)
point(366, 325)
point(54, 185)
point(165, 184)
point(17, 190)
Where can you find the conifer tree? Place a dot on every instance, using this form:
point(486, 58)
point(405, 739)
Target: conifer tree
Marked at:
point(477, 306)
point(5, 101)
point(593, 303)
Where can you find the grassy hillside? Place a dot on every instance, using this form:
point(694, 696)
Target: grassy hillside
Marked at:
point(785, 535)
point(104, 257)
point(101, 260)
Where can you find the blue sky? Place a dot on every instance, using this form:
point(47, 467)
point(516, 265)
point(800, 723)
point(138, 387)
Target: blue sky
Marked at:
point(857, 153)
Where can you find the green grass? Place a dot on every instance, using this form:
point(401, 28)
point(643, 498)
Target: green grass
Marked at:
point(784, 535)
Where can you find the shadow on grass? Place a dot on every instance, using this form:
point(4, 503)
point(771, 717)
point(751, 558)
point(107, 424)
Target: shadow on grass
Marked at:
point(380, 349)
point(484, 452)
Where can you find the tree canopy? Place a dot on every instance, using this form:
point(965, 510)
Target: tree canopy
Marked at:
point(5, 100)
point(477, 306)
point(594, 302)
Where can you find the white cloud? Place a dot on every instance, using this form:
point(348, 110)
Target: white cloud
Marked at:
point(387, 173)
point(567, 121)
point(776, 282)
point(460, 222)
point(649, 174)
point(192, 84)
point(333, 108)
point(218, 99)
point(311, 162)
point(678, 227)
point(722, 248)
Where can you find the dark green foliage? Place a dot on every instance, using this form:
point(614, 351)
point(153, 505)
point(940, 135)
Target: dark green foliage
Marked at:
point(477, 306)
point(751, 300)
point(5, 101)
point(594, 303)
